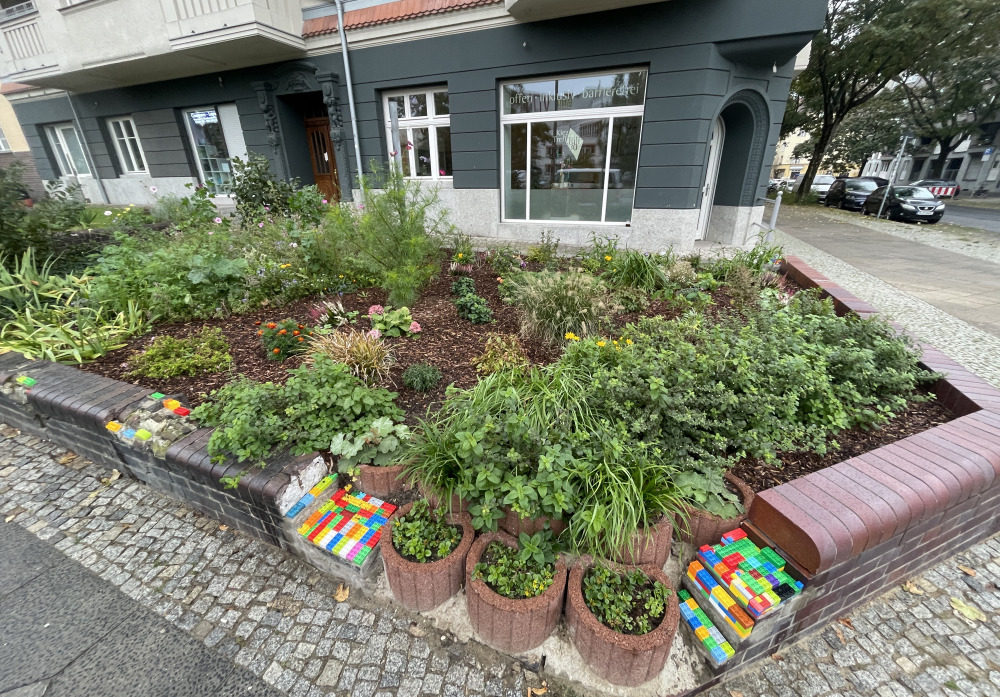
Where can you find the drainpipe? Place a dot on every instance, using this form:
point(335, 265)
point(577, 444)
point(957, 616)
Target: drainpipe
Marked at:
point(86, 150)
point(350, 84)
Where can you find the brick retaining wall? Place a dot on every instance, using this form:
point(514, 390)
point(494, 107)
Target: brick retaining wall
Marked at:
point(858, 528)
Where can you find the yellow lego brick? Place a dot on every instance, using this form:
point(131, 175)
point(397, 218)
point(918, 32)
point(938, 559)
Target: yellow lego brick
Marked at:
point(701, 633)
point(114, 426)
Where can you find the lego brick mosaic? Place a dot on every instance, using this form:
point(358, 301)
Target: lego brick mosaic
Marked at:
point(708, 638)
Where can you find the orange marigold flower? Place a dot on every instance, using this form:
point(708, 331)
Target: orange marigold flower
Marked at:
point(295, 333)
point(277, 350)
point(257, 323)
point(260, 333)
point(301, 326)
point(283, 332)
point(271, 325)
point(302, 338)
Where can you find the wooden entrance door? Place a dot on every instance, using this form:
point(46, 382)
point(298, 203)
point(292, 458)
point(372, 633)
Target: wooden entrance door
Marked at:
point(321, 153)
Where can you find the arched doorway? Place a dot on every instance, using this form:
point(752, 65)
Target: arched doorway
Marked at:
point(734, 169)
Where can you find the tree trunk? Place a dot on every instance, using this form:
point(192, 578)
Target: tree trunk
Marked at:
point(819, 150)
point(941, 163)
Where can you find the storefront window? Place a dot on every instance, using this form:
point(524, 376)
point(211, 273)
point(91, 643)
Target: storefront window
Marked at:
point(571, 147)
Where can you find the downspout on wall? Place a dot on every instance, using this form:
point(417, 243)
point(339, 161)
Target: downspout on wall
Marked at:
point(350, 85)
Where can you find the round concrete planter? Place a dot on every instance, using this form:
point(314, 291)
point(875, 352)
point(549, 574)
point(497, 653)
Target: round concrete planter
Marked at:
point(648, 545)
point(383, 481)
point(703, 528)
point(504, 623)
point(422, 587)
point(514, 524)
point(621, 659)
point(435, 499)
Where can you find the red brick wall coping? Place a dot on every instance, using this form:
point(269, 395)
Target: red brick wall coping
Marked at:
point(829, 517)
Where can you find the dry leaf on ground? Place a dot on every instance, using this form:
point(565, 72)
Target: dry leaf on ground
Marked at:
point(735, 693)
point(840, 635)
point(966, 570)
point(342, 593)
point(911, 587)
point(846, 621)
point(67, 458)
point(108, 481)
point(969, 611)
point(223, 528)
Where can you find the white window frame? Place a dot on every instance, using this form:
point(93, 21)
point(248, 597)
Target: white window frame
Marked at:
point(567, 115)
point(431, 121)
point(4, 145)
point(134, 147)
point(202, 177)
point(64, 159)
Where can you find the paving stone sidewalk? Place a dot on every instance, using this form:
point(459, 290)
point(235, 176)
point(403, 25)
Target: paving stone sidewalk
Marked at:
point(276, 617)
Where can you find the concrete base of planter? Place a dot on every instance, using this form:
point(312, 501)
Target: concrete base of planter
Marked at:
point(621, 659)
point(421, 587)
point(504, 623)
point(703, 528)
point(648, 546)
point(383, 482)
point(514, 524)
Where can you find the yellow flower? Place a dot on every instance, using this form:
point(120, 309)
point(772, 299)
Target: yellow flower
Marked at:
point(340, 276)
point(572, 337)
point(600, 343)
point(460, 255)
point(628, 341)
point(615, 342)
point(607, 258)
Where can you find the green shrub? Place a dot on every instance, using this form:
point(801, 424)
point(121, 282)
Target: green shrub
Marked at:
point(502, 352)
point(628, 603)
point(632, 299)
point(474, 308)
point(167, 357)
point(333, 314)
point(546, 251)
point(463, 286)
point(258, 192)
point(318, 401)
point(631, 269)
point(283, 339)
point(504, 259)
point(390, 322)
point(525, 571)
point(557, 303)
point(421, 377)
point(368, 356)
point(423, 535)
point(377, 446)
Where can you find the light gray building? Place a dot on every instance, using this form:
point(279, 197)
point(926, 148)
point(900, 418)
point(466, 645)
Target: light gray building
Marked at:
point(655, 121)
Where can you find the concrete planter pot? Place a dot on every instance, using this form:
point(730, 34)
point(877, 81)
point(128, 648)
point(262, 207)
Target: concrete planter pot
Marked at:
point(383, 481)
point(504, 623)
point(456, 505)
point(648, 546)
point(514, 524)
point(421, 587)
point(621, 659)
point(703, 528)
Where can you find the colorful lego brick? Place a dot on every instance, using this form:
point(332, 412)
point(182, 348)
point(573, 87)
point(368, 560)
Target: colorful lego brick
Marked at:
point(170, 404)
point(182, 411)
point(755, 577)
point(157, 395)
point(128, 433)
point(26, 381)
point(710, 640)
point(114, 426)
point(715, 595)
point(143, 434)
point(348, 525)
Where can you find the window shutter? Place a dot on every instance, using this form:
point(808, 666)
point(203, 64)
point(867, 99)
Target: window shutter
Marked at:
point(231, 128)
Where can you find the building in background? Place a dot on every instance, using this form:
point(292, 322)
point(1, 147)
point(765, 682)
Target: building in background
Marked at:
point(786, 165)
point(651, 120)
point(13, 145)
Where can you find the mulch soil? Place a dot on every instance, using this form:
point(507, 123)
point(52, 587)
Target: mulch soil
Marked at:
point(450, 343)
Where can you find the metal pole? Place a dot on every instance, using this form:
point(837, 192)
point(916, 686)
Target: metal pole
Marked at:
point(394, 128)
point(892, 176)
point(350, 85)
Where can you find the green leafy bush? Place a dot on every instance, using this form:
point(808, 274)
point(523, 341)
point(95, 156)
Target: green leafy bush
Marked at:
point(557, 303)
point(628, 603)
point(167, 357)
point(423, 535)
point(390, 322)
point(474, 308)
point(421, 377)
point(632, 299)
point(318, 401)
point(504, 259)
point(502, 352)
point(368, 356)
point(257, 191)
point(546, 251)
point(463, 286)
point(525, 571)
point(283, 339)
point(377, 446)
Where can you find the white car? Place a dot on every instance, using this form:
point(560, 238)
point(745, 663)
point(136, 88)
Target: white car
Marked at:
point(821, 184)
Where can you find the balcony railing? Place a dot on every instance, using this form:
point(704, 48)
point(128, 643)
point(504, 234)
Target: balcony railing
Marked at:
point(15, 11)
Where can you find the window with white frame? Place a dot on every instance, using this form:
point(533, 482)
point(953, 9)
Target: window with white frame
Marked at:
point(570, 147)
point(424, 130)
point(127, 146)
point(4, 145)
point(66, 146)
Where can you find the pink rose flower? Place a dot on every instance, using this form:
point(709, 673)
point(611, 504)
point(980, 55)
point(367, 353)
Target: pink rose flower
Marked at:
point(414, 328)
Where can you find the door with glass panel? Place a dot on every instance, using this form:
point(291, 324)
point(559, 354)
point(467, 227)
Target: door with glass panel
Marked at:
point(216, 138)
point(571, 147)
point(66, 146)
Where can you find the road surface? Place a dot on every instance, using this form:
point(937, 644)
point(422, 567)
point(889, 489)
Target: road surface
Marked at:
point(982, 218)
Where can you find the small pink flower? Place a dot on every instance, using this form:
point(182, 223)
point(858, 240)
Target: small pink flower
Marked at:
point(375, 333)
point(260, 224)
point(442, 173)
point(376, 310)
point(414, 327)
point(211, 232)
point(361, 206)
point(324, 200)
point(153, 189)
point(218, 220)
point(394, 153)
point(267, 208)
point(409, 145)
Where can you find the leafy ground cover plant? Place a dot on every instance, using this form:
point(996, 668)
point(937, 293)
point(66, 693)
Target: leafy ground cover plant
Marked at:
point(463, 286)
point(423, 535)
point(555, 303)
point(366, 355)
point(390, 322)
point(474, 308)
point(525, 571)
point(421, 377)
point(167, 357)
point(377, 446)
point(502, 352)
point(628, 603)
point(504, 259)
point(283, 339)
point(546, 251)
point(318, 401)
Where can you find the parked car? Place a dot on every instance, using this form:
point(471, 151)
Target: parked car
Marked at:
point(910, 203)
point(851, 193)
point(821, 184)
point(942, 188)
